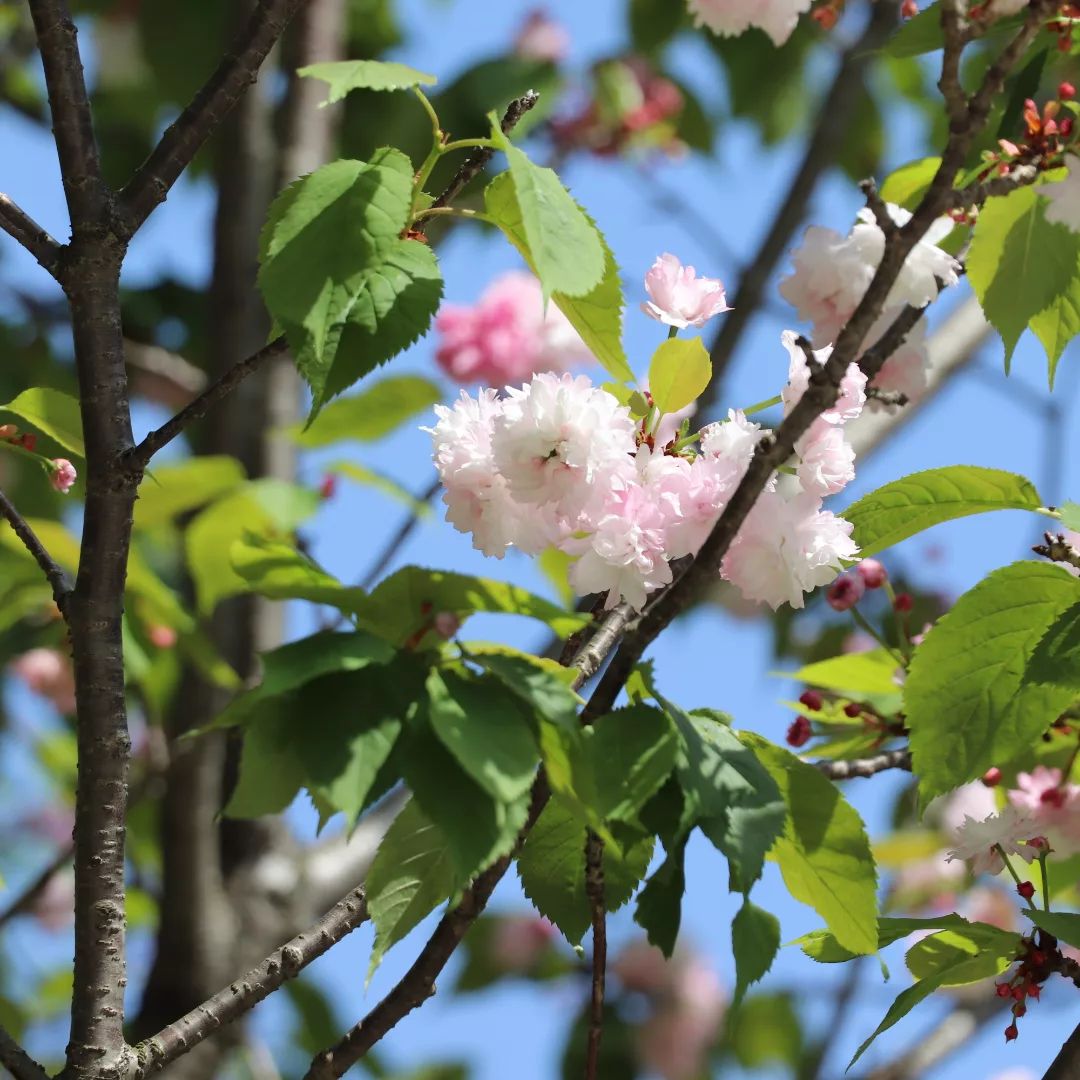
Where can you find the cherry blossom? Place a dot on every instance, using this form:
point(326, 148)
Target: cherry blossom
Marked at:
point(507, 335)
point(48, 672)
point(827, 459)
point(977, 842)
point(732, 17)
point(542, 38)
point(678, 297)
point(852, 387)
point(519, 941)
point(1052, 804)
point(1063, 197)
point(63, 475)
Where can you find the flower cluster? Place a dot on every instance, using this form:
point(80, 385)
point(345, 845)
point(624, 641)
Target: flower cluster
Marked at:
point(833, 272)
point(561, 463)
point(507, 335)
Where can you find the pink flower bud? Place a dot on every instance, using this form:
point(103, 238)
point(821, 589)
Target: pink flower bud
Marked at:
point(873, 574)
point(992, 777)
point(162, 637)
point(328, 486)
point(1066, 91)
point(446, 624)
point(845, 592)
point(63, 475)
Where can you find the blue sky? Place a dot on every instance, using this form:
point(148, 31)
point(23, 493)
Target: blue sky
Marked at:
point(710, 658)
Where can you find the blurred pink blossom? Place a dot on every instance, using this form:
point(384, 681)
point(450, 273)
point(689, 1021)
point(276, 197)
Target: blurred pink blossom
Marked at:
point(1054, 806)
point(520, 940)
point(48, 672)
point(542, 38)
point(54, 906)
point(506, 336)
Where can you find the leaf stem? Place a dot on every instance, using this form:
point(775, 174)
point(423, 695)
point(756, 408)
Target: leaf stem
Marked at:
point(1045, 880)
point(436, 127)
point(864, 623)
point(672, 331)
point(1012, 871)
point(470, 144)
point(761, 406)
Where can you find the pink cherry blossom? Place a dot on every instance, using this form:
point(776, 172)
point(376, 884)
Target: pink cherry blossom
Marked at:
point(642, 968)
point(48, 672)
point(542, 38)
point(827, 459)
point(852, 387)
point(906, 370)
point(1053, 805)
point(519, 941)
point(63, 475)
point(977, 841)
point(777, 18)
point(506, 336)
point(678, 297)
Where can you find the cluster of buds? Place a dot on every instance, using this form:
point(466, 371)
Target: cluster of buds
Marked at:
point(1068, 17)
point(1039, 958)
point(62, 474)
point(631, 108)
point(814, 701)
point(848, 589)
point(1045, 139)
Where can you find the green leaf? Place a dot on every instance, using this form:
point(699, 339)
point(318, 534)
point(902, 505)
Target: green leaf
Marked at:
point(949, 950)
point(292, 665)
point(597, 316)
point(1056, 659)
point(952, 965)
point(172, 490)
point(53, 413)
point(659, 904)
point(261, 506)
point(338, 278)
point(823, 947)
point(552, 870)
point(361, 474)
point(564, 246)
point(907, 185)
point(755, 941)
point(480, 723)
point(728, 793)
point(1057, 325)
point(918, 35)
point(1019, 264)
point(411, 875)
point(370, 415)
point(271, 774)
point(629, 754)
point(908, 506)
point(679, 372)
point(824, 854)
point(403, 605)
point(1070, 515)
point(278, 571)
point(1064, 925)
point(870, 672)
point(766, 1031)
point(346, 75)
point(968, 700)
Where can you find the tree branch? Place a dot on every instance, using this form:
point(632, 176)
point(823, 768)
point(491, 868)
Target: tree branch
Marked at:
point(22, 227)
point(25, 900)
point(1066, 1066)
point(139, 457)
point(17, 1061)
point(80, 166)
point(1058, 549)
point(61, 586)
point(820, 155)
point(865, 767)
point(239, 997)
point(150, 185)
point(594, 890)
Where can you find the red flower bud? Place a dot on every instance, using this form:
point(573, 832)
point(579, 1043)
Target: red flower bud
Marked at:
point(1026, 889)
point(1003, 990)
point(811, 699)
point(799, 733)
point(903, 602)
point(845, 592)
point(328, 486)
point(1011, 1033)
point(992, 777)
point(1034, 990)
point(1066, 91)
point(1019, 1009)
point(28, 441)
point(909, 9)
point(873, 574)
point(1018, 993)
point(852, 709)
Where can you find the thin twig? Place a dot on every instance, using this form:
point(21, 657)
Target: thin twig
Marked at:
point(17, 1061)
point(1058, 549)
point(236, 999)
point(150, 185)
point(475, 163)
point(865, 767)
point(27, 898)
point(22, 227)
point(878, 207)
point(139, 457)
point(404, 531)
point(594, 890)
point(61, 586)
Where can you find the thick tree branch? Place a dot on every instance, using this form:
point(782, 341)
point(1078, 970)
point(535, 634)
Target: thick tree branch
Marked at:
point(140, 456)
point(594, 890)
point(246, 992)
point(17, 1061)
point(1066, 1066)
point(22, 227)
point(150, 185)
point(1058, 549)
point(866, 767)
point(56, 577)
point(80, 166)
point(822, 148)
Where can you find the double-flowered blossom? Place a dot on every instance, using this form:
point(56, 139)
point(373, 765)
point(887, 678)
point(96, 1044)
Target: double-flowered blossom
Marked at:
point(506, 336)
point(731, 17)
point(678, 297)
point(980, 843)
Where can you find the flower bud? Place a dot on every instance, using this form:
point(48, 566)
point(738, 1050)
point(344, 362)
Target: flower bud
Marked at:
point(799, 733)
point(1026, 889)
point(845, 592)
point(63, 475)
point(903, 602)
point(1066, 91)
point(992, 777)
point(873, 574)
point(811, 699)
point(1011, 1032)
point(852, 709)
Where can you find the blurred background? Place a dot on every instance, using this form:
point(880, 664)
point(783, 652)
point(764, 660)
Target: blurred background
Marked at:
point(719, 151)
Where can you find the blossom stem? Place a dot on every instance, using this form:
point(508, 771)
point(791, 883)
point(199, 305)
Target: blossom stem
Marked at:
point(451, 211)
point(1012, 871)
point(469, 144)
point(901, 630)
point(761, 406)
point(863, 623)
point(672, 331)
point(436, 127)
point(1045, 880)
